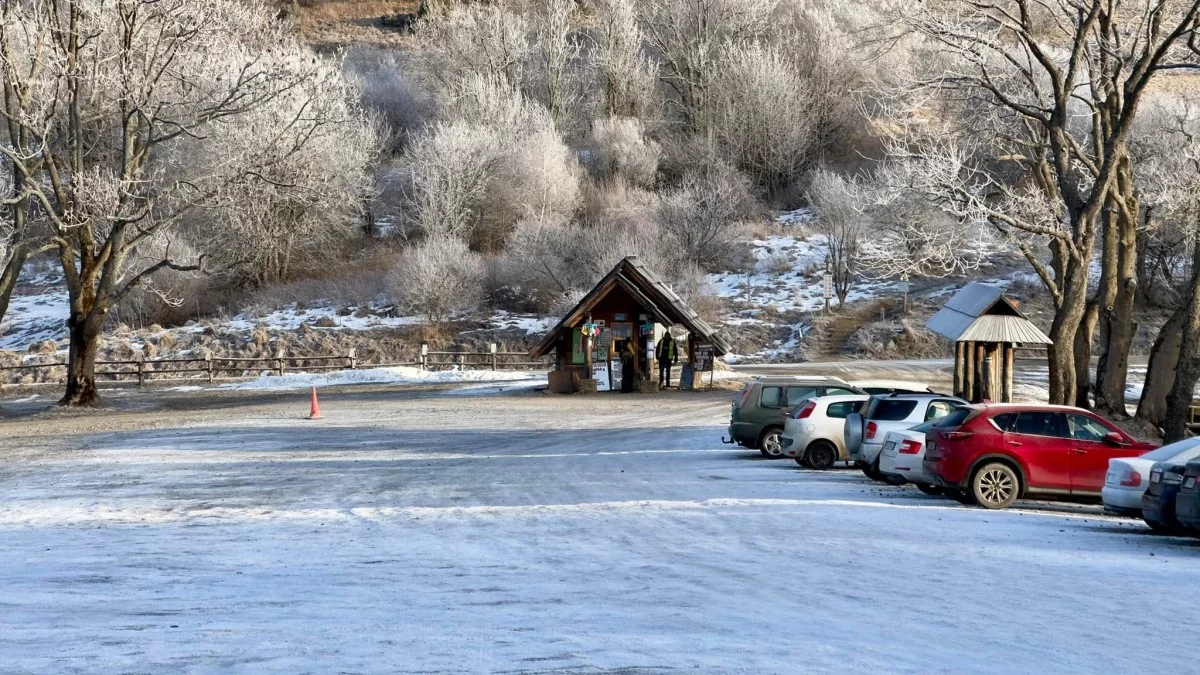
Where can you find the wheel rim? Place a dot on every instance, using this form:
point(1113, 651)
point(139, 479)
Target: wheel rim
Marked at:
point(823, 458)
point(996, 486)
point(771, 444)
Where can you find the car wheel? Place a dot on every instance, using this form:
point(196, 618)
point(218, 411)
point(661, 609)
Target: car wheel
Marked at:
point(930, 489)
point(964, 498)
point(803, 461)
point(821, 455)
point(874, 474)
point(770, 443)
point(995, 486)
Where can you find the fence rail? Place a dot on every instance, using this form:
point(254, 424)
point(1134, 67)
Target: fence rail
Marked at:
point(212, 368)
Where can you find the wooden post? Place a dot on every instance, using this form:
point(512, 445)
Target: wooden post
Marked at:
point(968, 392)
point(141, 366)
point(208, 363)
point(981, 379)
point(462, 360)
point(1009, 355)
point(959, 369)
point(279, 363)
point(424, 356)
point(492, 348)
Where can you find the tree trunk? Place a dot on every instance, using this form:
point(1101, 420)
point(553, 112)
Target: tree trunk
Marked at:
point(8, 278)
point(1187, 371)
point(81, 364)
point(1083, 354)
point(1064, 331)
point(1160, 373)
point(1112, 373)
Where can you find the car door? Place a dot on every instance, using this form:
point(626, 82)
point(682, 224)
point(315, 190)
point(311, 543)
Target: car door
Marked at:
point(1037, 438)
point(1090, 452)
point(771, 406)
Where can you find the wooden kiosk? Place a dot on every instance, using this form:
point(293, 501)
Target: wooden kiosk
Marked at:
point(986, 327)
point(629, 306)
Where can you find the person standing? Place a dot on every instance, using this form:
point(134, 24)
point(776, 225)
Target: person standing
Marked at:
point(667, 355)
point(628, 366)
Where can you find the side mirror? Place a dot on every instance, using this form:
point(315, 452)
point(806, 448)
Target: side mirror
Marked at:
point(1114, 439)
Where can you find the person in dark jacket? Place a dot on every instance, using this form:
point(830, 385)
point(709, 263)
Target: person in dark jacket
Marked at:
point(667, 355)
point(628, 366)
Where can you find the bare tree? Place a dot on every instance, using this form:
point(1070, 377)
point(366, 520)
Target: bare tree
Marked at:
point(703, 216)
point(626, 72)
point(475, 39)
point(117, 102)
point(840, 222)
point(556, 55)
point(617, 147)
point(437, 278)
point(688, 36)
point(994, 63)
point(449, 167)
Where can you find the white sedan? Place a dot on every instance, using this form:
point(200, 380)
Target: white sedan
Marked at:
point(813, 431)
point(903, 458)
point(1129, 477)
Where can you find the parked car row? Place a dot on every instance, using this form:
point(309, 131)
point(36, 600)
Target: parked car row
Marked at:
point(984, 454)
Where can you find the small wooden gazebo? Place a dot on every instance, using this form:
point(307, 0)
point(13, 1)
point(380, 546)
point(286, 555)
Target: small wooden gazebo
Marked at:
point(986, 327)
point(630, 304)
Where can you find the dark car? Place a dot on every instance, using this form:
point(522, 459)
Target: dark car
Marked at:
point(1187, 503)
point(759, 411)
point(1158, 503)
point(993, 454)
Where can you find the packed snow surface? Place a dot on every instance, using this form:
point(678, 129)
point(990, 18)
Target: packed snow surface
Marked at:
point(393, 375)
point(528, 533)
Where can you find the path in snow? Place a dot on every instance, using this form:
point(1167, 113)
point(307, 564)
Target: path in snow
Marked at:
point(530, 533)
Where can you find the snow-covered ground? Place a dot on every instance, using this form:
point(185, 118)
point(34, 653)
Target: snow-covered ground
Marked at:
point(412, 532)
point(392, 375)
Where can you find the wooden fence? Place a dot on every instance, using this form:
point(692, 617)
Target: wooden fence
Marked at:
point(212, 368)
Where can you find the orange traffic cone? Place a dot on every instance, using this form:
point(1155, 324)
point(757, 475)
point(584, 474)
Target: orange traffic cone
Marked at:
point(315, 413)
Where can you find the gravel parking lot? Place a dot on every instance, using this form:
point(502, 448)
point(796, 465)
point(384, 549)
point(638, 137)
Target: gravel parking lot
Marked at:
point(432, 531)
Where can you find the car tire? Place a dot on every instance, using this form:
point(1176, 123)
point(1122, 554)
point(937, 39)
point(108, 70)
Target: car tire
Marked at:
point(821, 455)
point(932, 490)
point(802, 461)
point(769, 443)
point(962, 497)
point(1163, 528)
point(995, 486)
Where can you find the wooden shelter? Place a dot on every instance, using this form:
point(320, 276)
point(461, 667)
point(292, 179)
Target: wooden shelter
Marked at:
point(986, 327)
point(629, 305)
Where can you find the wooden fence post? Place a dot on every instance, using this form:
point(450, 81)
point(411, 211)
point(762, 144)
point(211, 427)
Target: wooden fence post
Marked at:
point(279, 368)
point(424, 355)
point(208, 363)
point(353, 358)
point(141, 365)
point(492, 346)
point(462, 360)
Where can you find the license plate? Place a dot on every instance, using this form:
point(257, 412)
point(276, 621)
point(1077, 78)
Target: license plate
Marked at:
point(930, 446)
point(888, 448)
point(1111, 478)
point(1155, 476)
point(1189, 483)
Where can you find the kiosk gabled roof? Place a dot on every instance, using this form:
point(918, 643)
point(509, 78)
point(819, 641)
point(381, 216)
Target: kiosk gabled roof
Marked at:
point(650, 291)
point(982, 313)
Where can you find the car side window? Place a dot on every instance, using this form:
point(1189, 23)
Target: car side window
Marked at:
point(1039, 424)
point(1004, 422)
point(837, 391)
point(797, 394)
point(938, 409)
point(772, 397)
point(841, 410)
point(1084, 428)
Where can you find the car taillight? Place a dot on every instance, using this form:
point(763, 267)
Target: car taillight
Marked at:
point(806, 410)
point(742, 399)
point(872, 429)
point(1131, 479)
point(957, 435)
point(910, 447)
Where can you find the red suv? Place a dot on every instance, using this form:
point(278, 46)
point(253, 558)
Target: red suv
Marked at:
point(992, 454)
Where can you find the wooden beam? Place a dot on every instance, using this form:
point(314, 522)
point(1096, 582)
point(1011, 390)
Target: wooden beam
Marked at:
point(959, 369)
point(969, 371)
point(1009, 351)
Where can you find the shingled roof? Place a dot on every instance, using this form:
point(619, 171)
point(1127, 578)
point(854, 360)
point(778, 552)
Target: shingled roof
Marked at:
point(982, 313)
point(651, 292)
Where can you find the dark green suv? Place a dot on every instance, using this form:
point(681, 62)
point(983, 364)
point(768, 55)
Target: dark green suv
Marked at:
point(758, 412)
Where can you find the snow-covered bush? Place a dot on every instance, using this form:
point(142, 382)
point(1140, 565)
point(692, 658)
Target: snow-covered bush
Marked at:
point(449, 167)
point(703, 216)
point(617, 147)
point(438, 278)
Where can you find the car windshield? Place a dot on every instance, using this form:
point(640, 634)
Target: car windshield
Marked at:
point(1181, 451)
point(892, 410)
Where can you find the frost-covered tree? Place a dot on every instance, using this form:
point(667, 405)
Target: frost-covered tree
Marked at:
point(475, 38)
point(840, 222)
point(437, 278)
point(703, 216)
point(626, 72)
point(617, 147)
point(119, 105)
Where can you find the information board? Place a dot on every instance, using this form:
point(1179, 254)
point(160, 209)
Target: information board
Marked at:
point(704, 357)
